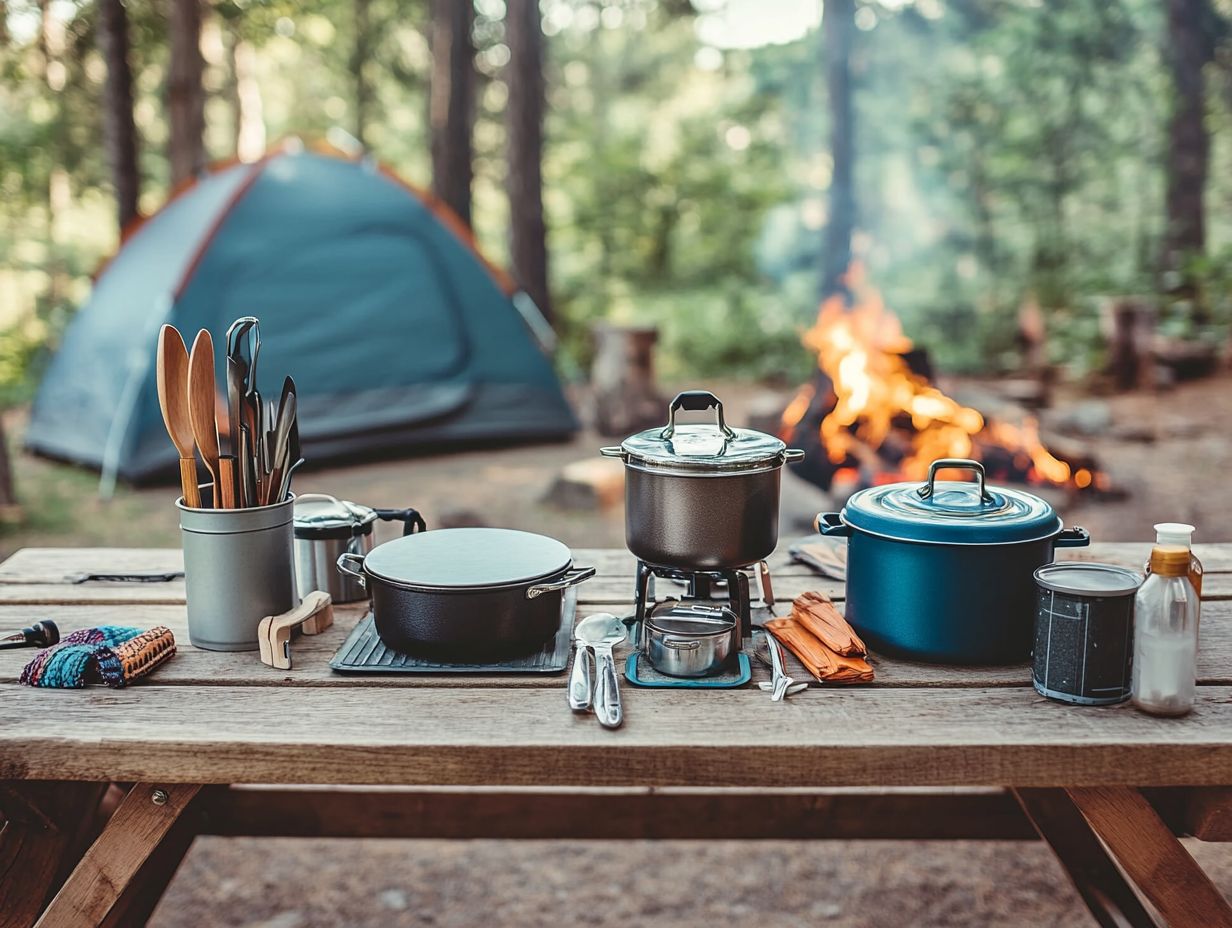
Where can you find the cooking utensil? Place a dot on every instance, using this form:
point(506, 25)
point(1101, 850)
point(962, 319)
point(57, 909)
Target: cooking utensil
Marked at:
point(942, 571)
point(702, 496)
point(602, 632)
point(326, 528)
point(293, 453)
point(201, 414)
point(280, 453)
point(172, 376)
point(242, 345)
point(579, 677)
point(466, 593)
point(690, 639)
point(780, 681)
point(1084, 633)
point(39, 635)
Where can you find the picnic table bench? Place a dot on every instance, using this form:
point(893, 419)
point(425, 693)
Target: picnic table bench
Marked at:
point(102, 791)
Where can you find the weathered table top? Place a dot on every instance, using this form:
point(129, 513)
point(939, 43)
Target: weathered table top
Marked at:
point(225, 718)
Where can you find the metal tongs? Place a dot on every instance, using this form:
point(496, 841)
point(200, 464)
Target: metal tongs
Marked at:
point(244, 406)
point(780, 685)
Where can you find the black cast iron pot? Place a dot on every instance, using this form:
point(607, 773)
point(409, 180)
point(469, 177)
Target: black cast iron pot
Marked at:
point(944, 571)
point(702, 496)
point(467, 594)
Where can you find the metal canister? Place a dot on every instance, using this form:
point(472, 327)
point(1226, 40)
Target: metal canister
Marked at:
point(1084, 632)
point(690, 639)
point(326, 528)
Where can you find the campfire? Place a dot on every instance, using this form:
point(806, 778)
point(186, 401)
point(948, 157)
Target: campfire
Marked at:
point(873, 415)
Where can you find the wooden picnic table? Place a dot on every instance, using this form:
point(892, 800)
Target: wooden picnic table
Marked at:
point(102, 791)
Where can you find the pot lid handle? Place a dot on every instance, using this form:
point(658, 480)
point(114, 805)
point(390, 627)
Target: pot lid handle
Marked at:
point(696, 400)
point(926, 491)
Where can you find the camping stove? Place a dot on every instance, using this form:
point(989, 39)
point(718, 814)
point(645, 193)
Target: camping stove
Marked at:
point(702, 586)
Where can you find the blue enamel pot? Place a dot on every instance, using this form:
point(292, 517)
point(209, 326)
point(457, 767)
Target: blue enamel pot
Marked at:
point(943, 571)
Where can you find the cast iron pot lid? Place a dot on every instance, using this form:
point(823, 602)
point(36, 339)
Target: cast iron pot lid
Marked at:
point(1088, 579)
point(954, 512)
point(467, 559)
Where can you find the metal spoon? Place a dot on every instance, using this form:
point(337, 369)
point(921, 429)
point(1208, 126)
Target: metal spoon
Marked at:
point(602, 632)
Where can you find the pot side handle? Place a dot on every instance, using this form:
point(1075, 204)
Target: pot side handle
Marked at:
point(575, 576)
point(411, 520)
point(1075, 537)
point(352, 565)
point(832, 525)
point(612, 451)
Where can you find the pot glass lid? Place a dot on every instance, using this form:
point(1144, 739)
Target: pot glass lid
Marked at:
point(319, 512)
point(713, 446)
point(955, 512)
point(456, 558)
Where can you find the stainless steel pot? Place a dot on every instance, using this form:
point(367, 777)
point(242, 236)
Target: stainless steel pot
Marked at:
point(702, 496)
point(325, 529)
point(690, 639)
point(467, 594)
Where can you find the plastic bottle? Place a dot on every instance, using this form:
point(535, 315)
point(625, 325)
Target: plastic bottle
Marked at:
point(1178, 533)
point(1166, 612)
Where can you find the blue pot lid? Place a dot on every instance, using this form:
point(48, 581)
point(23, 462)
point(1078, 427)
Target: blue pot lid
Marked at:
point(954, 513)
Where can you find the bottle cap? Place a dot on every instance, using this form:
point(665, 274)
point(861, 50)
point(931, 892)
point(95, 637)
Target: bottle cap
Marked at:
point(1170, 560)
point(1174, 533)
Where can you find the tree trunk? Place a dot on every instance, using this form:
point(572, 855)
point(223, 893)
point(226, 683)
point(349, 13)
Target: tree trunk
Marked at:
point(119, 129)
point(4, 24)
point(185, 93)
point(360, 54)
point(837, 23)
point(451, 105)
point(1190, 49)
point(528, 231)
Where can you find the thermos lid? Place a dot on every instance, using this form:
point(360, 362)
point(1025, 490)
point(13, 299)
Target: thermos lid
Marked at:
point(1088, 579)
point(952, 512)
point(319, 516)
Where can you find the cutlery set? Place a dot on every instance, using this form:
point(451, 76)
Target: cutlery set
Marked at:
point(251, 456)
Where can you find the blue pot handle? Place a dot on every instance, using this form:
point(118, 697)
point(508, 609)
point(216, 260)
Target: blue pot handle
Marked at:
point(1073, 538)
point(832, 525)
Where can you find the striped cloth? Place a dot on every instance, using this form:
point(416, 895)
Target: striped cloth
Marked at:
point(112, 655)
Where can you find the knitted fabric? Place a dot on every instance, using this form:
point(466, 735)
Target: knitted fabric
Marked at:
point(110, 654)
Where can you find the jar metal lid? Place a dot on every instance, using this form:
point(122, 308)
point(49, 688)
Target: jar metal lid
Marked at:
point(1084, 578)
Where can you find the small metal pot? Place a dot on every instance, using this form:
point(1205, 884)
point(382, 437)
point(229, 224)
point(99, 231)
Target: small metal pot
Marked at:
point(702, 496)
point(467, 594)
point(943, 571)
point(326, 528)
point(690, 639)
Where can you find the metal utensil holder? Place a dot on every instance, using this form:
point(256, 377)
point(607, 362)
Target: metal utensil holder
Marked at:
point(238, 568)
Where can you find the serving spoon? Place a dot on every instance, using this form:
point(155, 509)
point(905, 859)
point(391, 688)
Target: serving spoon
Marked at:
point(201, 415)
point(601, 632)
point(172, 375)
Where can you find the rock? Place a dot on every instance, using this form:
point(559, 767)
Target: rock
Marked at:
point(588, 485)
point(1086, 419)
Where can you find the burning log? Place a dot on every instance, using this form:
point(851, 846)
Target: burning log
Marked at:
point(873, 413)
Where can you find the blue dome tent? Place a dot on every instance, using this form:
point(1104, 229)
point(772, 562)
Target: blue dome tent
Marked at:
point(371, 295)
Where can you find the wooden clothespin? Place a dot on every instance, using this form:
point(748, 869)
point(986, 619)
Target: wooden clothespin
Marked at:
point(314, 615)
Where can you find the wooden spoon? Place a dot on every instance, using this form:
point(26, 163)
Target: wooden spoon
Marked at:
point(201, 406)
point(172, 370)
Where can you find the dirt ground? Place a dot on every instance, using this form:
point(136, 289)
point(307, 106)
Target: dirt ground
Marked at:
point(1172, 454)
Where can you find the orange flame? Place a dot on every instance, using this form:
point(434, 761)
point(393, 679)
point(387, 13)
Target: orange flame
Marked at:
point(860, 349)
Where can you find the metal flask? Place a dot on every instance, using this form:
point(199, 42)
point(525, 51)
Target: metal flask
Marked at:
point(326, 528)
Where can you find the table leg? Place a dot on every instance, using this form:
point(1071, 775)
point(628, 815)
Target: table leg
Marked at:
point(46, 828)
point(1103, 888)
point(102, 880)
point(1153, 857)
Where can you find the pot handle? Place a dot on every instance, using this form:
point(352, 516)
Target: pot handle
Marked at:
point(792, 455)
point(1075, 537)
point(411, 520)
point(612, 451)
point(696, 400)
point(832, 525)
point(345, 562)
point(575, 576)
point(961, 463)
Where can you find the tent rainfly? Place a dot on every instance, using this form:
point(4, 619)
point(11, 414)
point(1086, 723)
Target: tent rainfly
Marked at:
point(371, 295)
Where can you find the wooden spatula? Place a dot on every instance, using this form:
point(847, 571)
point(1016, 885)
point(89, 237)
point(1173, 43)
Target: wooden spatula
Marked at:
point(172, 371)
point(201, 406)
